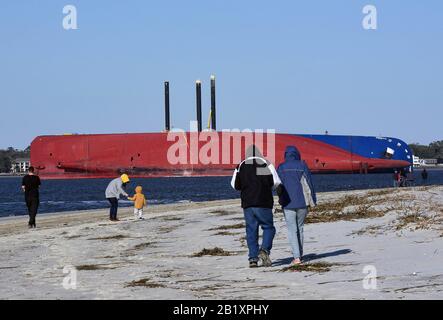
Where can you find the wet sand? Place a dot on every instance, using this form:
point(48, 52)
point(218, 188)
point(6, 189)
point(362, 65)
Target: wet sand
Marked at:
point(399, 232)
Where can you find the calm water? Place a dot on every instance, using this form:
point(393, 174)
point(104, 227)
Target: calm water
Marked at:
point(68, 195)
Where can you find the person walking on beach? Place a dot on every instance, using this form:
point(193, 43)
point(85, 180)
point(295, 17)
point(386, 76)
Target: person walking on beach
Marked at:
point(397, 179)
point(403, 178)
point(410, 179)
point(30, 186)
point(296, 196)
point(424, 175)
point(255, 177)
point(113, 191)
point(139, 202)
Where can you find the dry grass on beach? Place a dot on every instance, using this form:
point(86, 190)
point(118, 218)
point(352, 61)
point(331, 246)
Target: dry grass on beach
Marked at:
point(348, 208)
point(420, 220)
point(369, 230)
point(374, 204)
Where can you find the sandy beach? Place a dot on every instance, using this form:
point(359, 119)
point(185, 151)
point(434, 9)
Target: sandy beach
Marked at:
point(396, 234)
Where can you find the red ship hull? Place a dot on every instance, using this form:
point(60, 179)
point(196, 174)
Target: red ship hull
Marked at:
point(146, 155)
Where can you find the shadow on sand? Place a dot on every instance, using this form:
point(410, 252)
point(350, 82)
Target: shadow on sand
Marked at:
point(311, 257)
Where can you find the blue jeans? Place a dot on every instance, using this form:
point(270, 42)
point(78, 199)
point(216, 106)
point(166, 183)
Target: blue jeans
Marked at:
point(255, 218)
point(114, 208)
point(295, 220)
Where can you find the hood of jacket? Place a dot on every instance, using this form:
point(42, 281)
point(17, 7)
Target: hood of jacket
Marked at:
point(253, 151)
point(292, 154)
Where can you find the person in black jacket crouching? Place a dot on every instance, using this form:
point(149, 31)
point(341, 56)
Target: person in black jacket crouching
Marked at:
point(255, 177)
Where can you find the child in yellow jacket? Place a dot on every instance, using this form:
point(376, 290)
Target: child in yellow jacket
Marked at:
point(139, 202)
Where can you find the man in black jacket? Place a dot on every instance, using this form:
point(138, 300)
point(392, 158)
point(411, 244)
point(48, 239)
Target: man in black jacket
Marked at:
point(255, 177)
point(30, 186)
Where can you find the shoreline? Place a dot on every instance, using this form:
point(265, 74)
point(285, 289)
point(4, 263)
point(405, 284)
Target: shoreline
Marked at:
point(52, 219)
point(397, 231)
point(11, 176)
point(67, 212)
point(127, 210)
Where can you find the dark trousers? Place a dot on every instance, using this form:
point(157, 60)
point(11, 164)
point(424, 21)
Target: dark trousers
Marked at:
point(255, 218)
point(114, 208)
point(32, 203)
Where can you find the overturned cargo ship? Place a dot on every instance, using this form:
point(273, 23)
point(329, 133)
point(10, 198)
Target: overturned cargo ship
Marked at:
point(157, 154)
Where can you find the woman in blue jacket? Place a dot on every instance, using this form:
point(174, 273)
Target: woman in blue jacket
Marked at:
point(296, 195)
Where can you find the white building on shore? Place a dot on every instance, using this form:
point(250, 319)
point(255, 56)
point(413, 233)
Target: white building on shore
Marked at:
point(20, 165)
point(417, 161)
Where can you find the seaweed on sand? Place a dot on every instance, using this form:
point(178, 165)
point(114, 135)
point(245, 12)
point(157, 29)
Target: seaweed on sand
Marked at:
point(221, 212)
point(229, 227)
point(115, 237)
point(142, 246)
point(319, 267)
point(224, 233)
point(92, 267)
point(212, 252)
point(173, 218)
point(133, 251)
point(145, 282)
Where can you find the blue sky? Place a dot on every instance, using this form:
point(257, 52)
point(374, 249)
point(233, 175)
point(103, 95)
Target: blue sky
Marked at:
point(293, 66)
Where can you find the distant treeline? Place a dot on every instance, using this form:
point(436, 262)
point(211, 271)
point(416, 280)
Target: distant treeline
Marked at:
point(432, 151)
point(9, 155)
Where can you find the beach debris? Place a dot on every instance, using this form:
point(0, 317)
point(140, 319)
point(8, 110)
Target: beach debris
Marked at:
point(225, 233)
point(236, 219)
point(350, 207)
point(92, 267)
point(145, 282)
point(172, 218)
point(115, 237)
point(222, 212)
point(373, 230)
point(420, 220)
point(229, 227)
point(212, 252)
point(142, 246)
point(166, 229)
point(319, 267)
point(75, 236)
point(133, 251)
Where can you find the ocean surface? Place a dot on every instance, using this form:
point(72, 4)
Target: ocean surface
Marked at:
point(70, 195)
